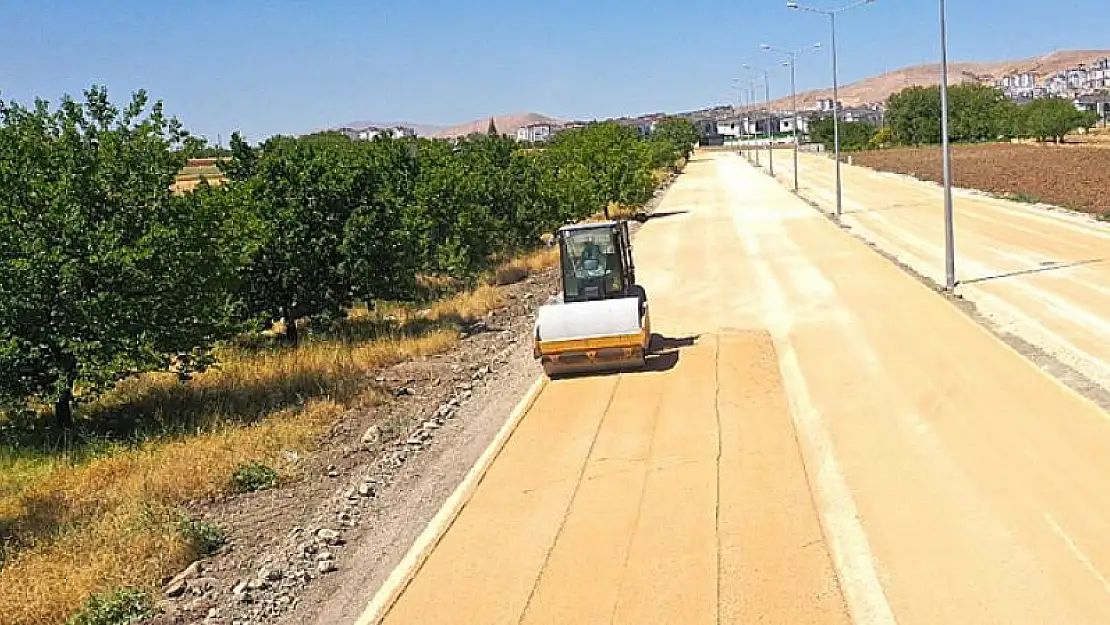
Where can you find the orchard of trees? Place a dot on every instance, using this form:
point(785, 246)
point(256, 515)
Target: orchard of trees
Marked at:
point(976, 113)
point(105, 273)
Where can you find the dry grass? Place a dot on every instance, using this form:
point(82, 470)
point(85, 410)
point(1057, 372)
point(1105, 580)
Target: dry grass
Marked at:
point(521, 267)
point(79, 523)
point(112, 522)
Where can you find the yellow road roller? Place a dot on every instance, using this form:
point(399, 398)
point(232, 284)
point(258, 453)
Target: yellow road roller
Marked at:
point(599, 321)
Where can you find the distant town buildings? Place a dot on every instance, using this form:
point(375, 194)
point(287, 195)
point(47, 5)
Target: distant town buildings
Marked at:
point(367, 133)
point(537, 132)
point(1071, 83)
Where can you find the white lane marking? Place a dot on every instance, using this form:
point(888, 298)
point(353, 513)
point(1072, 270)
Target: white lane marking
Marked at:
point(1076, 551)
point(848, 542)
point(390, 591)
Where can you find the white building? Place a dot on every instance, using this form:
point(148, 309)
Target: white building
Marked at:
point(536, 132)
point(368, 133)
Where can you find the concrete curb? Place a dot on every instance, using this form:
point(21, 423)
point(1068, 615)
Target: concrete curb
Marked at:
point(410, 565)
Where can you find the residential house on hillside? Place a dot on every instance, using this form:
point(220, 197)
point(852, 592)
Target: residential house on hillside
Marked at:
point(1096, 102)
point(1071, 82)
point(367, 133)
point(642, 126)
point(862, 114)
point(537, 132)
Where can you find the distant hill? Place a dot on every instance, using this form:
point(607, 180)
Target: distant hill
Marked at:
point(879, 88)
point(506, 125)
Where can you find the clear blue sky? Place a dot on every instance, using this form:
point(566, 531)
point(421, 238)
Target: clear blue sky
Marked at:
point(272, 66)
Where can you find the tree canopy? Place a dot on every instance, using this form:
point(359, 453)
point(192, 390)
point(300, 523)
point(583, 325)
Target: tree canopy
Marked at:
point(105, 273)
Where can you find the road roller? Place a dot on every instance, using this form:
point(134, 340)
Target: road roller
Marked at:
point(599, 321)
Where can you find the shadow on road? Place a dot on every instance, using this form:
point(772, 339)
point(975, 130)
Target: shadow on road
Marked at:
point(1047, 266)
point(890, 207)
point(646, 217)
point(663, 356)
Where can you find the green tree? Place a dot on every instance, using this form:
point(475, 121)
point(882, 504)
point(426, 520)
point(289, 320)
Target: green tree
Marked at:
point(1054, 118)
point(618, 162)
point(329, 236)
point(913, 115)
point(976, 113)
point(672, 139)
point(104, 273)
point(853, 135)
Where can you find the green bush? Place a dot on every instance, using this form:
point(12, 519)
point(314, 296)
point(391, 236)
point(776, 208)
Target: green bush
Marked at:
point(118, 607)
point(254, 476)
point(204, 537)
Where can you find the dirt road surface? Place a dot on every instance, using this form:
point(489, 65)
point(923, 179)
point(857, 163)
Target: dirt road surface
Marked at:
point(823, 440)
point(1041, 275)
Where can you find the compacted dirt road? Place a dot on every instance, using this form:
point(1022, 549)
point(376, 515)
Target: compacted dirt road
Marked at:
point(822, 439)
point(1041, 275)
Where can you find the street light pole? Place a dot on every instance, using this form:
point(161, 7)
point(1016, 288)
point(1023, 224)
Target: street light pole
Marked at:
point(836, 121)
point(832, 13)
point(770, 135)
point(949, 228)
point(767, 103)
point(793, 56)
point(794, 105)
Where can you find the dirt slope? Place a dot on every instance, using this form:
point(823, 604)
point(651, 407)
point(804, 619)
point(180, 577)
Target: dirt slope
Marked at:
point(878, 88)
point(506, 125)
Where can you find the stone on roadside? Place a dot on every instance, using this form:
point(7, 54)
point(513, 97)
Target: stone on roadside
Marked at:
point(329, 536)
point(175, 588)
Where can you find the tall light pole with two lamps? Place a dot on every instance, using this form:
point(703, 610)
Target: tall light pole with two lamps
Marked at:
point(832, 13)
point(793, 56)
point(767, 102)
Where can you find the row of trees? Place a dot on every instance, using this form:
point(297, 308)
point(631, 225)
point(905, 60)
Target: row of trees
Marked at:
point(105, 273)
point(980, 113)
point(976, 113)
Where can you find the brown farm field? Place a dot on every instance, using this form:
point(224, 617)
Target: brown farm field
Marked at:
point(1070, 176)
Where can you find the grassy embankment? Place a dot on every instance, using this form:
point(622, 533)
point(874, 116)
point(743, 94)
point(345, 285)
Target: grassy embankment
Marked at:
point(82, 520)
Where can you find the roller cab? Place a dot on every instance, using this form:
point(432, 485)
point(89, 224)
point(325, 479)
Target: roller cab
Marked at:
point(600, 319)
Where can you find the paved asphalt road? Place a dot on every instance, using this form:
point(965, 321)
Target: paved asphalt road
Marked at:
point(822, 440)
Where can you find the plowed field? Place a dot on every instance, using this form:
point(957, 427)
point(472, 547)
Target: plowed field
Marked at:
point(1073, 177)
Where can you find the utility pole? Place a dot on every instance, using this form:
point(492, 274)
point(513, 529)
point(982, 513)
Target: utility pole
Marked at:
point(832, 13)
point(793, 56)
point(949, 227)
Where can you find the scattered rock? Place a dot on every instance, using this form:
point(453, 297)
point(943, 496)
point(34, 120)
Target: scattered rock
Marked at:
point(366, 489)
point(257, 584)
point(325, 566)
point(401, 392)
point(240, 588)
point(176, 588)
point(372, 436)
point(324, 556)
point(333, 471)
point(329, 536)
point(271, 574)
point(203, 585)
